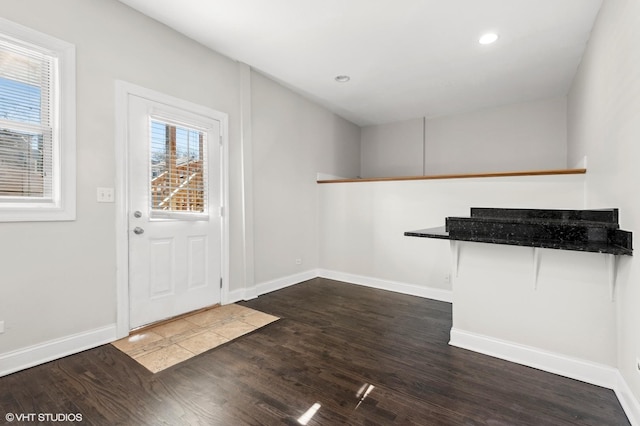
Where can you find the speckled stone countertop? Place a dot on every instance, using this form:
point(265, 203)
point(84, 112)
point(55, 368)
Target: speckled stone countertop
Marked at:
point(578, 230)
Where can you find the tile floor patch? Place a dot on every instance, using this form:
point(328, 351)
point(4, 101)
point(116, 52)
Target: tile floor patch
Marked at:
point(168, 344)
point(137, 341)
point(233, 329)
point(203, 342)
point(164, 358)
point(259, 319)
point(173, 328)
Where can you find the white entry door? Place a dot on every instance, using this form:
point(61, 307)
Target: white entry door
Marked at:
point(174, 213)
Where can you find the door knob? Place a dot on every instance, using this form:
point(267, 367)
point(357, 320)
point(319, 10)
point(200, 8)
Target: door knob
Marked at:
point(137, 230)
point(138, 213)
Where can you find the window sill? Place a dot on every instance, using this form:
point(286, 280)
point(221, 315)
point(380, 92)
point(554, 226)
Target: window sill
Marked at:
point(37, 214)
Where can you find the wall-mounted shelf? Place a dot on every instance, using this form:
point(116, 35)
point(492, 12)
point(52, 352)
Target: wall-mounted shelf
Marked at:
point(460, 176)
point(577, 230)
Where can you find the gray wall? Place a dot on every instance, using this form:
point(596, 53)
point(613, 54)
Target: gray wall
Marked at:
point(293, 139)
point(393, 149)
point(526, 136)
point(72, 290)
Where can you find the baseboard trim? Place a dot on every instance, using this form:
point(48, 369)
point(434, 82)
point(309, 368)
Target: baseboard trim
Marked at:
point(574, 368)
point(269, 286)
point(562, 365)
point(395, 286)
point(280, 283)
point(54, 349)
point(236, 296)
point(629, 403)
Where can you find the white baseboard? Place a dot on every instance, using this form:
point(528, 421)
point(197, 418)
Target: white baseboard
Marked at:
point(629, 403)
point(237, 295)
point(562, 365)
point(574, 368)
point(397, 287)
point(269, 286)
point(279, 283)
point(54, 349)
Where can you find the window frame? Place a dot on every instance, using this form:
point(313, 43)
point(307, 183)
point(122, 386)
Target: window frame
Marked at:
point(61, 206)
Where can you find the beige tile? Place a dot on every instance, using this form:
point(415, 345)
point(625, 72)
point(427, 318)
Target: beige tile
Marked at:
point(207, 318)
point(137, 341)
point(174, 328)
point(236, 310)
point(259, 319)
point(203, 342)
point(151, 347)
point(164, 358)
point(167, 344)
point(233, 329)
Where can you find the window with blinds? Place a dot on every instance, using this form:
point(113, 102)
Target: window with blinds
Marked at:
point(26, 130)
point(178, 181)
point(37, 126)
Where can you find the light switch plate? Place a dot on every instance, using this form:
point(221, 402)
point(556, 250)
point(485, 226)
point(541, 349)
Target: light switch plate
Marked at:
point(106, 195)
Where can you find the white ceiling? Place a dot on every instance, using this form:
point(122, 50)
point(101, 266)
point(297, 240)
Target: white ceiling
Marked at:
point(406, 58)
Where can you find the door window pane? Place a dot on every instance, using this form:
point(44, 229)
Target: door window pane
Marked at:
point(178, 169)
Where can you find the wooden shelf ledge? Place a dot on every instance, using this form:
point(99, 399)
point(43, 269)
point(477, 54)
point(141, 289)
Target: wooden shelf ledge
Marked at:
point(462, 176)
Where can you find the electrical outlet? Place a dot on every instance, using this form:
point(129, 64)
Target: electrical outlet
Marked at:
point(298, 261)
point(105, 195)
point(1, 327)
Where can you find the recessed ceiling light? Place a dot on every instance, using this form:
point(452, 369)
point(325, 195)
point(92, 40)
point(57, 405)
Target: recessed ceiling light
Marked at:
point(342, 78)
point(488, 38)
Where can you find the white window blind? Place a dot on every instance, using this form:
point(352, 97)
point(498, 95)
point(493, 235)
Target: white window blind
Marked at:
point(178, 181)
point(27, 94)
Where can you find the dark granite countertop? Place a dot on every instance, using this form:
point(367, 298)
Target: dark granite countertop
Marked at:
point(577, 230)
point(439, 232)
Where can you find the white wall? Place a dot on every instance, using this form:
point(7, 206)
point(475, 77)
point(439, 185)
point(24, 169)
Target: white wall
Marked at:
point(394, 149)
point(526, 136)
point(604, 125)
point(293, 139)
point(362, 224)
point(568, 311)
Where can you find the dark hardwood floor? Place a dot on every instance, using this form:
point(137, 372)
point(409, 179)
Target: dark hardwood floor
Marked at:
point(334, 343)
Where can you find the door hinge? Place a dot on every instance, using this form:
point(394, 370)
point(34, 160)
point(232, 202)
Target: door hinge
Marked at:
point(221, 282)
point(221, 211)
point(220, 140)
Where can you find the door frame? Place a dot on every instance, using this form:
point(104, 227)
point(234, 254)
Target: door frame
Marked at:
point(122, 91)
